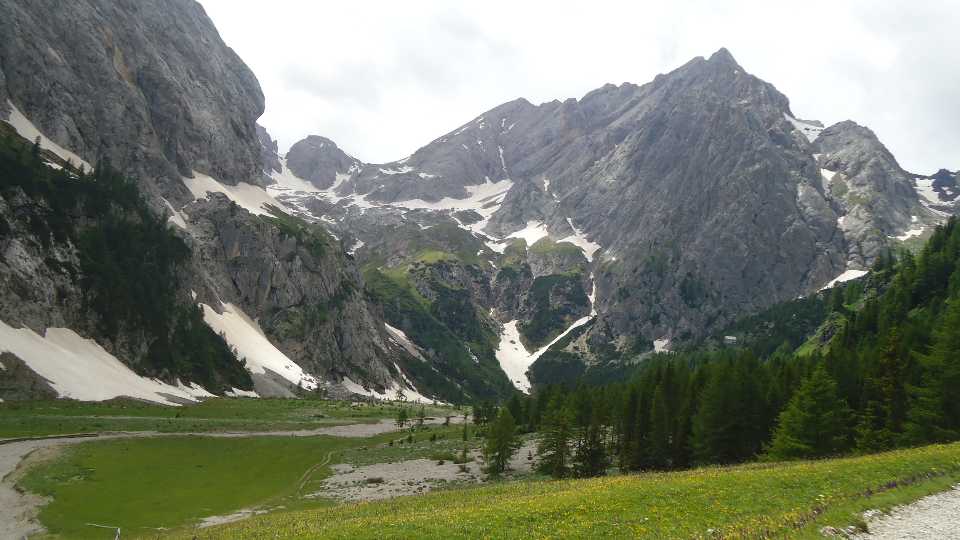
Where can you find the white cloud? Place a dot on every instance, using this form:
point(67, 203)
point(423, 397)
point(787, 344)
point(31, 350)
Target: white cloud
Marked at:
point(382, 78)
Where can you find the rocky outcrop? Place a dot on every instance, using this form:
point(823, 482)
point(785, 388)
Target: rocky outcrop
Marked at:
point(874, 196)
point(319, 160)
point(297, 283)
point(36, 287)
point(269, 153)
point(148, 85)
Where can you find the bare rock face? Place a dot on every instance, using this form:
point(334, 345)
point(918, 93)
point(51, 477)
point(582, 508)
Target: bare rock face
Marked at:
point(307, 297)
point(33, 293)
point(148, 85)
point(865, 182)
point(268, 152)
point(152, 88)
point(319, 160)
point(707, 197)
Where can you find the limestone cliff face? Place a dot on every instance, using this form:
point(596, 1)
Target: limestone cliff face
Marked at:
point(148, 85)
point(871, 191)
point(151, 87)
point(301, 288)
point(704, 197)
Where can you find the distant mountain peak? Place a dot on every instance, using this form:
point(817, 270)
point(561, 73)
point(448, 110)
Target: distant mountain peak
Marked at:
point(723, 57)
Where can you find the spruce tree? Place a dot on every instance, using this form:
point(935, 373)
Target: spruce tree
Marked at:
point(501, 442)
point(629, 436)
point(934, 411)
point(590, 458)
point(553, 449)
point(816, 422)
point(661, 431)
point(714, 433)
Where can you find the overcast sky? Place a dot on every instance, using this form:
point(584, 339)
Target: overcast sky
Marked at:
point(382, 78)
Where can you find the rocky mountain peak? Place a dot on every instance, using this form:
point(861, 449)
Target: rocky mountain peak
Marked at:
point(723, 57)
point(319, 160)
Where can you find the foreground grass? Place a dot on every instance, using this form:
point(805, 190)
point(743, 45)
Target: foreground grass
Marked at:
point(757, 500)
point(39, 418)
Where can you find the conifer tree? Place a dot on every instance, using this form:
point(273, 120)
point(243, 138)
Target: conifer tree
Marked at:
point(553, 449)
point(590, 458)
point(713, 427)
point(629, 438)
point(661, 431)
point(501, 442)
point(816, 422)
point(934, 411)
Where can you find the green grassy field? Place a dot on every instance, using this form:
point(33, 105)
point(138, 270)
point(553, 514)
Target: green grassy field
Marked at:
point(36, 418)
point(148, 484)
point(750, 501)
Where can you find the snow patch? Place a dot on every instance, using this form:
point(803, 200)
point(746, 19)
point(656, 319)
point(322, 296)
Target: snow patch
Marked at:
point(580, 240)
point(286, 180)
point(661, 345)
point(810, 131)
point(401, 339)
point(535, 230)
point(79, 368)
point(27, 130)
point(402, 170)
point(176, 217)
point(238, 393)
point(514, 358)
point(246, 336)
point(925, 189)
point(484, 199)
point(910, 233)
point(390, 394)
point(357, 245)
point(253, 198)
point(844, 277)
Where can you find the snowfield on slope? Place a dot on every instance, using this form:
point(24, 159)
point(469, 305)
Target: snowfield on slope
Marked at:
point(252, 345)
point(847, 275)
point(254, 198)
point(79, 368)
point(28, 131)
point(514, 358)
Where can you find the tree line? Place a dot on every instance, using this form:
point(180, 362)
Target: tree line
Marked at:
point(885, 373)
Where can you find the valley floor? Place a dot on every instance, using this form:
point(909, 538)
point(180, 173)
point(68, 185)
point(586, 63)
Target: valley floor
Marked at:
point(159, 479)
point(348, 481)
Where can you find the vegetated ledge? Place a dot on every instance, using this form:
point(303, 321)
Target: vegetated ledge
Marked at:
point(760, 500)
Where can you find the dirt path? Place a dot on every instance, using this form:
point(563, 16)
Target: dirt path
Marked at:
point(18, 510)
point(936, 516)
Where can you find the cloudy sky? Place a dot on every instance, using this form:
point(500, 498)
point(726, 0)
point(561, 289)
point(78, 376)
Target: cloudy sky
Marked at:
point(382, 78)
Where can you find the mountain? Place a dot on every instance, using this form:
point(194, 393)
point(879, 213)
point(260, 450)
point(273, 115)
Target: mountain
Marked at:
point(693, 200)
point(149, 90)
point(564, 236)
